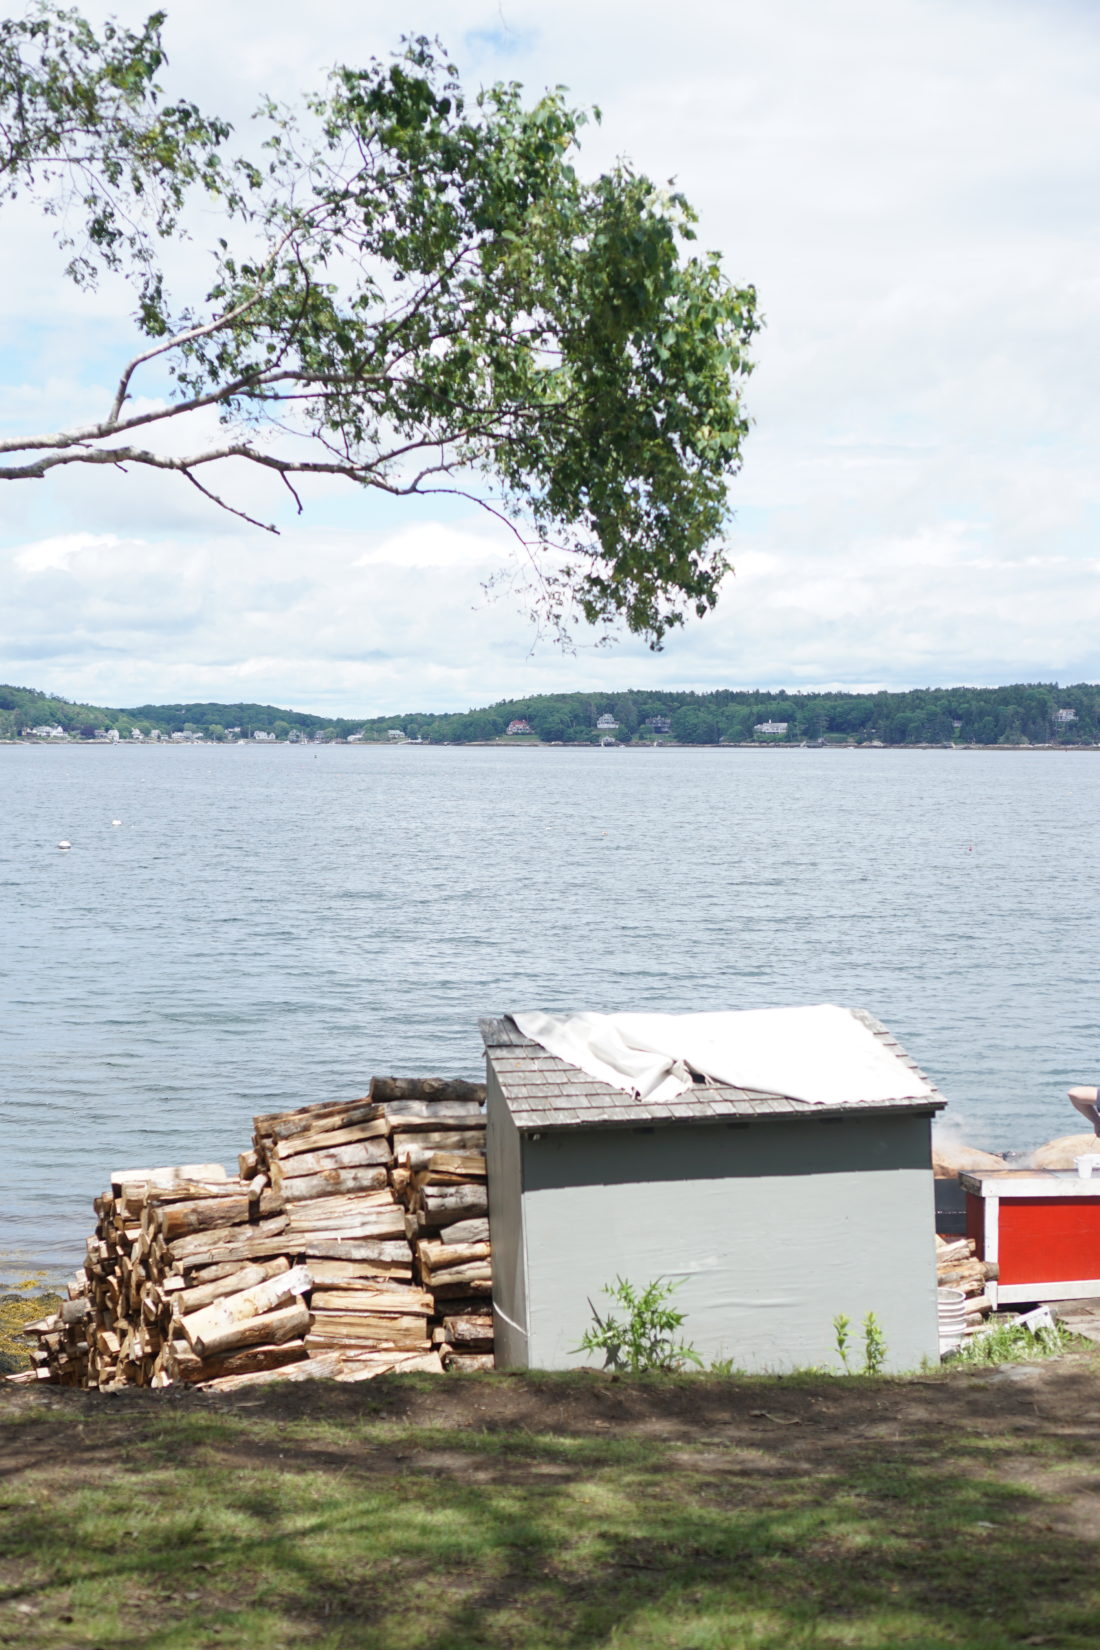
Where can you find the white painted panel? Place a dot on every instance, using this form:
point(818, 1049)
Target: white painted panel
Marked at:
point(773, 1230)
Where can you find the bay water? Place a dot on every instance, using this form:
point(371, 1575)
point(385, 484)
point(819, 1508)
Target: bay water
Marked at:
point(270, 926)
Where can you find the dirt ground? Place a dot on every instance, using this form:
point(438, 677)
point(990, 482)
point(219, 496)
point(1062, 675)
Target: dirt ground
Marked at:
point(1056, 1401)
point(808, 1511)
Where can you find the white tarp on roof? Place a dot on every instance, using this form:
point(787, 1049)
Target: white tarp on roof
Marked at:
point(823, 1054)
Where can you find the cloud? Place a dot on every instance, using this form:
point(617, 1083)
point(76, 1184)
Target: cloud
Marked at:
point(906, 181)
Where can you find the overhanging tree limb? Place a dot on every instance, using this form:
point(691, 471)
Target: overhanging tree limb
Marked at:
point(405, 273)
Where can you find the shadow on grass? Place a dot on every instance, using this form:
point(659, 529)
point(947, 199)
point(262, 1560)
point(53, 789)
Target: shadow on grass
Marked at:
point(689, 1515)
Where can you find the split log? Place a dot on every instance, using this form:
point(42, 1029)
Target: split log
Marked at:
point(353, 1302)
point(474, 1271)
point(166, 1176)
point(395, 1255)
point(375, 1294)
point(330, 1181)
point(311, 1119)
point(198, 1327)
point(438, 1256)
point(229, 1237)
point(193, 1369)
point(337, 1366)
point(309, 1367)
point(235, 1254)
point(427, 1089)
point(472, 1289)
point(329, 1139)
point(230, 1283)
point(411, 1117)
point(288, 1323)
point(337, 1329)
point(416, 1149)
point(451, 1169)
point(464, 1231)
point(356, 1154)
point(473, 1334)
point(446, 1204)
point(372, 1223)
point(353, 1274)
point(470, 1362)
point(176, 1220)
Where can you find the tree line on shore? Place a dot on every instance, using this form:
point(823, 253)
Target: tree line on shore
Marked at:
point(1036, 713)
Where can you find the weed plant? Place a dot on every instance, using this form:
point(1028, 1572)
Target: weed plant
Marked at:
point(645, 1340)
point(1009, 1343)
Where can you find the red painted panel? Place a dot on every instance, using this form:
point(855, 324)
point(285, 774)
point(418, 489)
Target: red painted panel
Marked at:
point(1049, 1239)
point(975, 1221)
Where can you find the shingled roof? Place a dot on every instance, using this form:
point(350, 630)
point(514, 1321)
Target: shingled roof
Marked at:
point(545, 1092)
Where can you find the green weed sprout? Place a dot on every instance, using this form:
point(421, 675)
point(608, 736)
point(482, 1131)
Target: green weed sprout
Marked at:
point(874, 1345)
point(841, 1327)
point(646, 1339)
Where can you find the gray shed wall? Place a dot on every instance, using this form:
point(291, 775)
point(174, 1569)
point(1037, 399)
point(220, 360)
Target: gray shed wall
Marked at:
point(503, 1163)
point(774, 1228)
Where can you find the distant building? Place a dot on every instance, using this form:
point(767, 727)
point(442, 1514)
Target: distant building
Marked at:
point(1065, 716)
point(518, 725)
point(395, 736)
point(771, 730)
point(45, 731)
point(113, 736)
point(659, 724)
point(136, 733)
point(353, 738)
point(263, 737)
point(607, 723)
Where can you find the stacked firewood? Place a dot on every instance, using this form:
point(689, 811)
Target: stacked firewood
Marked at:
point(957, 1267)
point(440, 1174)
point(62, 1349)
point(303, 1264)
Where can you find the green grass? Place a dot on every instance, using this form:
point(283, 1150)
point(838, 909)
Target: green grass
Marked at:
point(183, 1524)
point(1006, 1343)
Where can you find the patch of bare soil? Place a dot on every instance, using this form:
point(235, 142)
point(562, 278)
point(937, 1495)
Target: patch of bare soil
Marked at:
point(1058, 1399)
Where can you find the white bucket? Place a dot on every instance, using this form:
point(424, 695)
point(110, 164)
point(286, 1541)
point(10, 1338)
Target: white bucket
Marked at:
point(951, 1313)
point(1086, 1164)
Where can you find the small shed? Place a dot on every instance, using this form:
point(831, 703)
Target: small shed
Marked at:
point(772, 1214)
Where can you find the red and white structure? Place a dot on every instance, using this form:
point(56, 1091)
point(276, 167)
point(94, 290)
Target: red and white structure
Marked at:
point(1041, 1228)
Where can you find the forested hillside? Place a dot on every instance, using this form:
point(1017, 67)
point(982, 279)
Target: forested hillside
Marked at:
point(1027, 713)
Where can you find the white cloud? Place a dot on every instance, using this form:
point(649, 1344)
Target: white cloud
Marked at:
point(436, 545)
point(909, 183)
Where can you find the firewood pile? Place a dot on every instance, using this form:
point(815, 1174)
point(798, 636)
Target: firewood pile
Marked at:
point(957, 1267)
point(353, 1241)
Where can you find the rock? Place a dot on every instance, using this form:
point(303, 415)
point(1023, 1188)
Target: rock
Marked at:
point(1060, 1153)
point(950, 1159)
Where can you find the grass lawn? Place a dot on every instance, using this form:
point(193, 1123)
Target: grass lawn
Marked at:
point(558, 1513)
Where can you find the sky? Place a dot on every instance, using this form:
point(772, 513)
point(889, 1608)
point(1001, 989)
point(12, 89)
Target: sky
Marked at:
point(911, 187)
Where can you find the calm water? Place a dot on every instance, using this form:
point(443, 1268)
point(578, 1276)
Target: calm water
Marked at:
point(269, 927)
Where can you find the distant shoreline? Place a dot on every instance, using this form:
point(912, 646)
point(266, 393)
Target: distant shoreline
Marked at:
point(526, 744)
